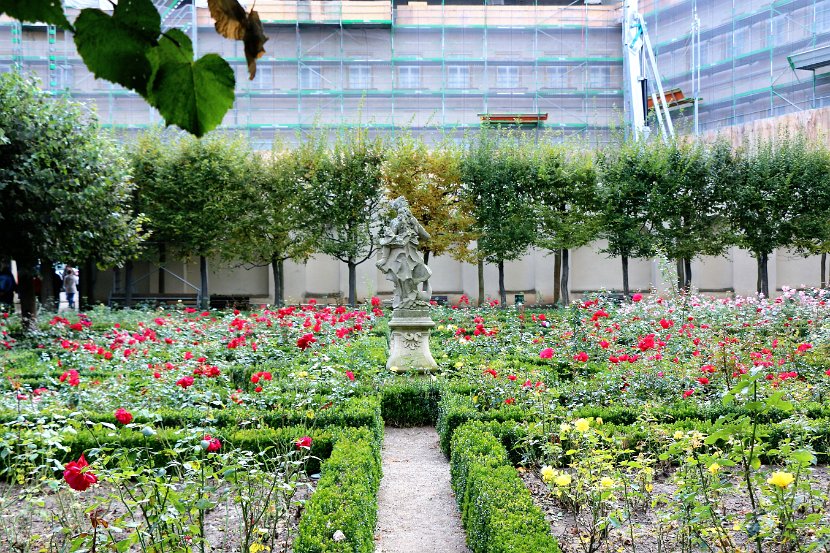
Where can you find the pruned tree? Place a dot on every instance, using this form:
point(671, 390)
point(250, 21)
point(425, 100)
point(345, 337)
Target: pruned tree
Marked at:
point(430, 179)
point(276, 213)
point(497, 175)
point(688, 202)
point(778, 198)
point(628, 172)
point(193, 196)
point(566, 204)
point(348, 195)
point(66, 192)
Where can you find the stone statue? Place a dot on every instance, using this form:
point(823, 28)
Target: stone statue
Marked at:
point(401, 260)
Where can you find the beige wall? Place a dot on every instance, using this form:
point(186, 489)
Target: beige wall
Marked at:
point(326, 279)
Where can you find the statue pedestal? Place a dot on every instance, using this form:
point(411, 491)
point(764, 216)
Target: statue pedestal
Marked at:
point(409, 343)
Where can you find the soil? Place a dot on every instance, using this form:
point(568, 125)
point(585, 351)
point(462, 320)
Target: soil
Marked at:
point(417, 511)
point(649, 535)
point(35, 524)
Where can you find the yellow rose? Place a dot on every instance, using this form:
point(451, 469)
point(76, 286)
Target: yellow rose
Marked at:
point(606, 482)
point(441, 327)
point(649, 487)
point(548, 474)
point(563, 480)
point(714, 468)
point(302, 374)
point(582, 425)
point(781, 479)
point(598, 420)
point(564, 428)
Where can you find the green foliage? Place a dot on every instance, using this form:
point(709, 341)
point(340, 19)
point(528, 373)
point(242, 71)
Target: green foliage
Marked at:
point(193, 95)
point(497, 176)
point(566, 196)
point(36, 11)
point(496, 508)
point(628, 172)
point(348, 193)
point(276, 216)
point(345, 499)
point(191, 190)
point(455, 410)
point(128, 48)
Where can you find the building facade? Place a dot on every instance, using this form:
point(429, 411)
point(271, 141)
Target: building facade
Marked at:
point(440, 68)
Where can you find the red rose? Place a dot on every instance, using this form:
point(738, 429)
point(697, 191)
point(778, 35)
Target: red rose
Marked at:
point(76, 477)
point(213, 444)
point(185, 382)
point(123, 416)
point(582, 357)
point(375, 301)
point(304, 341)
point(305, 441)
point(546, 353)
point(636, 297)
point(350, 375)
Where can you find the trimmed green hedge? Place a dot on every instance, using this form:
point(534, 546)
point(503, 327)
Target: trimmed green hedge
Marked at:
point(455, 409)
point(345, 499)
point(496, 508)
point(410, 402)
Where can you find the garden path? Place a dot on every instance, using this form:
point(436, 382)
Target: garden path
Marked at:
point(417, 512)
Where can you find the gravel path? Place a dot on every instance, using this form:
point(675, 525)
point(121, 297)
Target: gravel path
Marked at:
point(417, 512)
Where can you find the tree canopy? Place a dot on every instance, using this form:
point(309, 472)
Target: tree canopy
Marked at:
point(66, 191)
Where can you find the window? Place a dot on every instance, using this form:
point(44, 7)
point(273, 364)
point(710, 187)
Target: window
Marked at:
point(558, 76)
point(779, 31)
point(409, 76)
point(458, 76)
point(822, 17)
point(507, 76)
point(264, 79)
point(740, 41)
point(599, 76)
point(360, 76)
point(311, 76)
point(64, 77)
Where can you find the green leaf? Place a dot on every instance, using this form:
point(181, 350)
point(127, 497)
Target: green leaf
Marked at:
point(803, 457)
point(115, 47)
point(36, 11)
point(193, 95)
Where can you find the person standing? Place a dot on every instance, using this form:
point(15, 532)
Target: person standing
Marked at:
point(8, 286)
point(70, 286)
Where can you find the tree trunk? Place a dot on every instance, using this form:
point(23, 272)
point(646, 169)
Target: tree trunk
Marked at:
point(26, 293)
point(824, 270)
point(277, 266)
point(763, 274)
point(566, 273)
point(557, 275)
point(87, 299)
point(426, 262)
point(47, 286)
point(162, 261)
point(681, 274)
point(204, 294)
point(625, 278)
point(352, 283)
point(480, 282)
point(687, 269)
point(502, 291)
point(128, 283)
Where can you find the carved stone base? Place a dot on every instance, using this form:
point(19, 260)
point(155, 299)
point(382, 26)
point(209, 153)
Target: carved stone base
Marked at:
point(409, 343)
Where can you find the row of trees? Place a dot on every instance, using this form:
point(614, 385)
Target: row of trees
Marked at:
point(70, 193)
point(501, 191)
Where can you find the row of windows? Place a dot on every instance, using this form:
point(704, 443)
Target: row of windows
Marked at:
point(457, 77)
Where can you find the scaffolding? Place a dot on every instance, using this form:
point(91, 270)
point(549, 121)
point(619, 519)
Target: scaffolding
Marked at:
point(733, 56)
point(433, 68)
